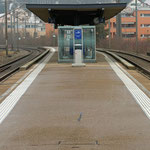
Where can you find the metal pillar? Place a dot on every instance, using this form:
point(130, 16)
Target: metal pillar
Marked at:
point(54, 37)
point(25, 24)
point(6, 29)
point(11, 31)
point(109, 34)
point(2, 27)
point(14, 25)
point(118, 23)
point(17, 32)
point(35, 33)
point(136, 10)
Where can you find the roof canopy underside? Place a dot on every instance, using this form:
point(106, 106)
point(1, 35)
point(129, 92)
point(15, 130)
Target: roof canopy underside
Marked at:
point(44, 11)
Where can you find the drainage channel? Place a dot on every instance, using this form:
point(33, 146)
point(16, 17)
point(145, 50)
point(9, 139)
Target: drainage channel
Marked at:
point(69, 143)
point(78, 143)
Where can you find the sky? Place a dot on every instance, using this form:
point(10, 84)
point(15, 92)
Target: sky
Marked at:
point(147, 2)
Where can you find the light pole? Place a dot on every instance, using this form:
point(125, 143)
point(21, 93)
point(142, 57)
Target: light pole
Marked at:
point(109, 33)
point(136, 10)
point(54, 39)
point(14, 25)
point(35, 32)
point(6, 30)
point(25, 24)
point(118, 23)
point(11, 31)
point(17, 30)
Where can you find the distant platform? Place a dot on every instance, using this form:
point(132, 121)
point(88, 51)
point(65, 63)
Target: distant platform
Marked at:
point(76, 14)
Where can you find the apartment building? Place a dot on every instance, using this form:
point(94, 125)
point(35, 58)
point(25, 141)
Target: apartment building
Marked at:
point(128, 19)
point(50, 31)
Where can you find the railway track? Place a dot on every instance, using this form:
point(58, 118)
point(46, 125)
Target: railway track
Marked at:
point(8, 69)
point(142, 63)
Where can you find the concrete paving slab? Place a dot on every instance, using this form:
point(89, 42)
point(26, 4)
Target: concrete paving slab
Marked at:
point(49, 112)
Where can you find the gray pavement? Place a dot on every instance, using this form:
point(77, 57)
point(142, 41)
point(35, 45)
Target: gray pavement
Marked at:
point(76, 108)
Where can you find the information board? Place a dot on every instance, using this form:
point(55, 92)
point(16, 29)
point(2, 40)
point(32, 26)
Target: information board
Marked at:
point(78, 34)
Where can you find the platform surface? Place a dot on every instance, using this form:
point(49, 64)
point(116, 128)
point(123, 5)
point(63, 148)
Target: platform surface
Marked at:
point(87, 108)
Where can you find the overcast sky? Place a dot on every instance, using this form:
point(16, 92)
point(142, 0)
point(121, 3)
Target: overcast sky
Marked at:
point(147, 2)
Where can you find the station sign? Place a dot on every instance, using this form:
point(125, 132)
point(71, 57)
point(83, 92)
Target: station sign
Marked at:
point(78, 34)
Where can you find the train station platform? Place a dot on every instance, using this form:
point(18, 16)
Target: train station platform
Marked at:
point(59, 107)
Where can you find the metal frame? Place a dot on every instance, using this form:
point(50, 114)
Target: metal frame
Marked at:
point(78, 27)
point(76, 6)
point(76, 14)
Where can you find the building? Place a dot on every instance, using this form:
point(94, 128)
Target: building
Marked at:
point(24, 23)
point(50, 31)
point(128, 20)
point(27, 24)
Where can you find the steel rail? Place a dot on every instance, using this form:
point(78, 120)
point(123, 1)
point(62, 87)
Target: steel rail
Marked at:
point(10, 68)
point(142, 63)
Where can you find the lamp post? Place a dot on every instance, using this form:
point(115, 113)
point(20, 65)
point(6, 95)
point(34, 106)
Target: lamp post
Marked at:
point(17, 30)
point(35, 32)
point(109, 23)
point(54, 40)
point(118, 24)
point(6, 30)
point(11, 30)
point(25, 24)
point(136, 11)
point(14, 25)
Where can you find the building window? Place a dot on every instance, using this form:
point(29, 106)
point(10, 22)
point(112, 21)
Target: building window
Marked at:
point(128, 35)
point(42, 29)
point(145, 15)
point(145, 25)
point(27, 26)
point(114, 33)
point(127, 15)
point(114, 24)
point(145, 35)
point(33, 26)
point(9, 26)
point(128, 25)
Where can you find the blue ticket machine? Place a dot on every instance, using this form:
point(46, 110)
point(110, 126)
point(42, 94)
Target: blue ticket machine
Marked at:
point(78, 47)
point(78, 40)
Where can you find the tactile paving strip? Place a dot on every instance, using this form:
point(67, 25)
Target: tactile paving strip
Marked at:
point(9, 103)
point(141, 98)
